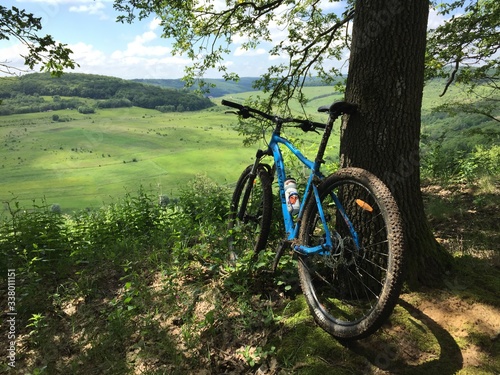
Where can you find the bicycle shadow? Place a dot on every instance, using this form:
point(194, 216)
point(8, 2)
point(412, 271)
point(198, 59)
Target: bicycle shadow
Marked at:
point(387, 356)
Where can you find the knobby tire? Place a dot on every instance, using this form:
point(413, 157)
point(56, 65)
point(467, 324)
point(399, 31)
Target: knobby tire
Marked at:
point(352, 289)
point(251, 232)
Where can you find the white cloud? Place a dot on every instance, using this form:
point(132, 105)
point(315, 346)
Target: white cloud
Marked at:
point(11, 57)
point(277, 57)
point(87, 55)
point(252, 52)
point(144, 59)
point(139, 48)
point(154, 24)
point(12, 51)
point(141, 67)
point(95, 9)
point(436, 19)
point(129, 67)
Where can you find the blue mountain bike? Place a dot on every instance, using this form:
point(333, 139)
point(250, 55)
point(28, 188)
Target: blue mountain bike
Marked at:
point(347, 232)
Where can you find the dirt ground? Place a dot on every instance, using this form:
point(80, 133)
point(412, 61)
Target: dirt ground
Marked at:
point(463, 318)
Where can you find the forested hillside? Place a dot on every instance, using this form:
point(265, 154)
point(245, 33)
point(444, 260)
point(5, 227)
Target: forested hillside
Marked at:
point(220, 87)
point(87, 92)
point(457, 145)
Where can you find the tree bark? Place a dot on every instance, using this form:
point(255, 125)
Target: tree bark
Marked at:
point(386, 80)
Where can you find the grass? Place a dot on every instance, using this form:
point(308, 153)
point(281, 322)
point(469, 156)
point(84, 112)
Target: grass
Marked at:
point(147, 291)
point(83, 162)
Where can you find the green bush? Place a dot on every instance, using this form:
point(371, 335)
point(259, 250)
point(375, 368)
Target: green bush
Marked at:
point(42, 242)
point(204, 200)
point(200, 223)
point(481, 162)
point(133, 224)
point(453, 165)
point(86, 109)
point(35, 241)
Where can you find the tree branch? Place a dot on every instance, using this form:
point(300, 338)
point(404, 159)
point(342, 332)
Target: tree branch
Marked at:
point(452, 77)
point(303, 67)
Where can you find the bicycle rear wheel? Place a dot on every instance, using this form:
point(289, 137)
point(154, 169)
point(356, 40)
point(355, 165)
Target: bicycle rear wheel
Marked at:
point(250, 212)
point(353, 288)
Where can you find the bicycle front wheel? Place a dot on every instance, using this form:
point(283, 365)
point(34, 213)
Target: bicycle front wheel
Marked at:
point(352, 288)
point(250, 212)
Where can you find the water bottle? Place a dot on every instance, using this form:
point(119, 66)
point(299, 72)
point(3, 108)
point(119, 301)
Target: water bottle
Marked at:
point(292, 196)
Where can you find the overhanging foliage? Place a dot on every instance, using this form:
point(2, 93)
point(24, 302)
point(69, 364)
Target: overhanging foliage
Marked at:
point(18, 24)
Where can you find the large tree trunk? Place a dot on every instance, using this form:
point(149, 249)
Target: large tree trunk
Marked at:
point(386, 79)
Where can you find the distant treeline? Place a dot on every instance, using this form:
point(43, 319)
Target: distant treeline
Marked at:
point(221, 87)
point(26, 94)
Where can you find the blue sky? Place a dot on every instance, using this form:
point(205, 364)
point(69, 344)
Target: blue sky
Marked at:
point(103, 46)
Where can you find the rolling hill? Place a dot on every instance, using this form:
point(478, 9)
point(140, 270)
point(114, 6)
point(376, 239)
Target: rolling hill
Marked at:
point(41, 92)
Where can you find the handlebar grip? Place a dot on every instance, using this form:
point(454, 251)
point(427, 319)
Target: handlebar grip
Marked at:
point(319, 125)
point(232, 104)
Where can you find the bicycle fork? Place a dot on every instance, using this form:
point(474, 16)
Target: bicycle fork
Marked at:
point(251, 179)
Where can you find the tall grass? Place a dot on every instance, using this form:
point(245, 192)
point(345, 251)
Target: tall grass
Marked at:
point(43, 244)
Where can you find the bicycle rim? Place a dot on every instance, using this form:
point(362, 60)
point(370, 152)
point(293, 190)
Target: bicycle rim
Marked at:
point(353, 288)
point(249, 233)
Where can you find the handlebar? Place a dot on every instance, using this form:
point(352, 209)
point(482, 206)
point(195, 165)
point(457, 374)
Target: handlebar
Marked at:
point(335, 110)
point(246, 112)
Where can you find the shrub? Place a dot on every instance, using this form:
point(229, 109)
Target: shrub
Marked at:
point(479, 163)
point(134, 223)
point(84, 109)
point(35, 241)
point(204, 200)
point(42, 244)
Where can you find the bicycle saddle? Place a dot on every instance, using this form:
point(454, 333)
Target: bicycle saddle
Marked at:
point(339, 108)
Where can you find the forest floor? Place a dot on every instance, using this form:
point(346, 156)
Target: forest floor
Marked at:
point(152, 322)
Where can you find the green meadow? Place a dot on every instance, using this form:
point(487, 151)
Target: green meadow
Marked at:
point(80, 161)
point(88, 159)
point(83, 161)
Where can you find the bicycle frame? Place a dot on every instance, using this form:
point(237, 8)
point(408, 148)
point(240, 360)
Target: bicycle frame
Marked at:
point(292, 227)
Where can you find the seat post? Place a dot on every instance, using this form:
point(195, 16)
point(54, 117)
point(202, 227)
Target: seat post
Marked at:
point(324, 142)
